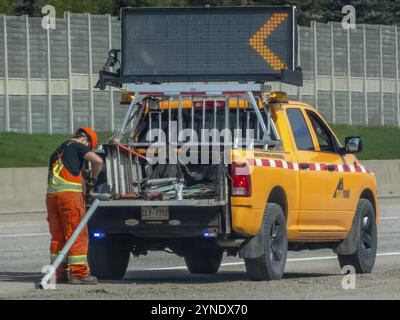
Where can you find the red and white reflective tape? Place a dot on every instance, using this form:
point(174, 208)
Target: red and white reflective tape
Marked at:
point(274, 164)
point(345, 168)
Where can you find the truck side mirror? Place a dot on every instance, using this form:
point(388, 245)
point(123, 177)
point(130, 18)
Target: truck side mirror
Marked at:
point(353, 145)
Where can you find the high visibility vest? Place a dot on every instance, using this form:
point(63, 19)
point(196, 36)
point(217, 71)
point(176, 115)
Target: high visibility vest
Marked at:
point(61, 180)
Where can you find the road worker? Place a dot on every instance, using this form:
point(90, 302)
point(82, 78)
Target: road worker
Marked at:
point(66, 205)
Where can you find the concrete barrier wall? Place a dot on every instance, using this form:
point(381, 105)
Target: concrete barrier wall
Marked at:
point(23, 190)
point(388, 176)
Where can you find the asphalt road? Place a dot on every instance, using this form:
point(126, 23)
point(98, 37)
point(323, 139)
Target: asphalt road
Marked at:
point(24, 242)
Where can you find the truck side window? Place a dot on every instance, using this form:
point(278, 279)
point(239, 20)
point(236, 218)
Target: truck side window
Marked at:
point(325, 139)
point(300, 130)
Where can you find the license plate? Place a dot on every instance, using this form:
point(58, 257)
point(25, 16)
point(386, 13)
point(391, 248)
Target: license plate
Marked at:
point(155, 213)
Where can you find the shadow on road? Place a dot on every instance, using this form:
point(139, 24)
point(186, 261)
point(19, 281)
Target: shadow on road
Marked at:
point(22, 277)
point(165, 277)
point(184, 277)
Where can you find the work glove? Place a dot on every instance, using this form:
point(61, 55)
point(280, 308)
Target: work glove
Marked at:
point(91, 184)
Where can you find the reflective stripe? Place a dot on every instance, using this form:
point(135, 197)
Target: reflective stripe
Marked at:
point(77, 260)
point(63, 188)
point(59, 167)
point(60, 180)
point(59, 184)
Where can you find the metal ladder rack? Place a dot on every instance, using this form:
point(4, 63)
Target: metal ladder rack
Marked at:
point(200, 93)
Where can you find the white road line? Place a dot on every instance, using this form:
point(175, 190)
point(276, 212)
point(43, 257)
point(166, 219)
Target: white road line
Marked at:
point(388, 254)
point(390, 218)
point(162, 269)
point(289, 260)
point(7, 278)
point(312, 259)
point(24, 235)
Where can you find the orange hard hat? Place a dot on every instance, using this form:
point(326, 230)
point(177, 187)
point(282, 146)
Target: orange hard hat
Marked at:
point(90, 134)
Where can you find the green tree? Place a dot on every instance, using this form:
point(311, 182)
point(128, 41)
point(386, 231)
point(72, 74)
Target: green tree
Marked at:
point(213, 2)
point(118, 4)
point(367, 11)
point(29, 7)
point(6, 7)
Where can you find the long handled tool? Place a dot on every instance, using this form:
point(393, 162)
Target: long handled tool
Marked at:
point(44, 283)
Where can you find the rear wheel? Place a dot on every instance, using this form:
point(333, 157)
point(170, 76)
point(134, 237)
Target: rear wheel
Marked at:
point(204, 261)
point(271, 265)
point(109, 257)
point(363, 260)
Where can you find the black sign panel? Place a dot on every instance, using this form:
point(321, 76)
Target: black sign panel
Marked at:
point(208, 44)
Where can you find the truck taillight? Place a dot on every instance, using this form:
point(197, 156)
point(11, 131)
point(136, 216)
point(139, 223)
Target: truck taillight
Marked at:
point(241, 180)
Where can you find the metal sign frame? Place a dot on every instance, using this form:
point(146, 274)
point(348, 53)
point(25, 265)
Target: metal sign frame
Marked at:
point(180, 90)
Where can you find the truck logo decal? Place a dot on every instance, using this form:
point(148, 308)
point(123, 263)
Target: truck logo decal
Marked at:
point(340, 192)
point(312, 166)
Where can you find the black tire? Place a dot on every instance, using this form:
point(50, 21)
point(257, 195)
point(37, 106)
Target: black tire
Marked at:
point(204, 261)
point(363, 260)
point(109, 257)
point(271, 265)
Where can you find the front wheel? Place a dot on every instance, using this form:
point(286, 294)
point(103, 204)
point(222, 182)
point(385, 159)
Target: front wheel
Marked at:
point(271, 265)
point(363, 260)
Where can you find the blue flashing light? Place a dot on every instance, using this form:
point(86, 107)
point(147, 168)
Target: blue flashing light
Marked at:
point(208, 235)
point(98, 235)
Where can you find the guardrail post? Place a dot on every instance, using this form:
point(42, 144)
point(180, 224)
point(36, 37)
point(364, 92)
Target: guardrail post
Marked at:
point(112, 116)
point(48, 91)
point(28, 78)
point(315, 65)
point(298, 62)
point(366, 120)
point(333, 98)
point(91, 97)
point(381, 111)
point(6, 97)
point(397, 76)
point(69, 66)
point(349, 99)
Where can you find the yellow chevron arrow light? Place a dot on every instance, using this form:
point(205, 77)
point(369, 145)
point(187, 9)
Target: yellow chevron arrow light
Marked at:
point(257, 41)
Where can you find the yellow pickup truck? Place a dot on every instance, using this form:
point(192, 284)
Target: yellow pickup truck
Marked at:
point(290, 185)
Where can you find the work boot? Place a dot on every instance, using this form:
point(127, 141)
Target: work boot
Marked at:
point(63, 279)
point(88, 281)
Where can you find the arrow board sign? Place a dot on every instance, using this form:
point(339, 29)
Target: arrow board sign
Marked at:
point(209, 44)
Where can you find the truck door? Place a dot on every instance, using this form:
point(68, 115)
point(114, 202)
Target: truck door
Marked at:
point(313, 182)
point(340, 183)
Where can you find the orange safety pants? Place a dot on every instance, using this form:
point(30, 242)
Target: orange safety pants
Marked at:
point(65, 212)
